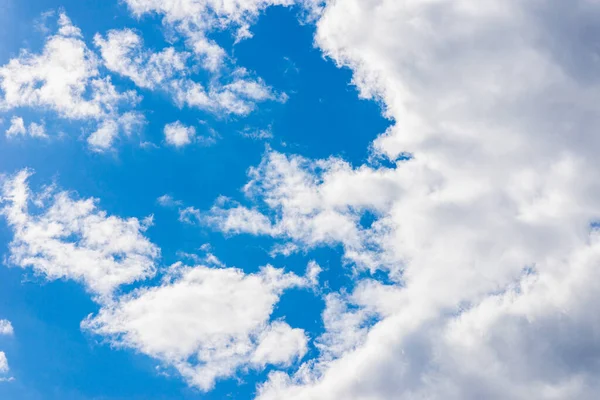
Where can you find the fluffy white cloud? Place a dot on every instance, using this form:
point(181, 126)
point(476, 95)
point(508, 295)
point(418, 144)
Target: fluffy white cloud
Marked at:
point(64, 78)
point(238, 97)
point(17, 128)
point(485, 224)
point(6, 327)
point(179, 135)
point(235, 219)
point(123, 53)
point(311, 203)
point(73, 239)
point(206, 322)
point(104, 136)
point(279, 345)
point(533, 340)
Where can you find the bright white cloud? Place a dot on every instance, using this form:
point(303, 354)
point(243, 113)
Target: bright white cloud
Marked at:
point(123, 53)
point(196, 19)
point(308, 210)
point(238, 97)
point(64, 78)
point(6, 327)
point(238, 219)
point(73, 239)
point(483, 223)
point(108, 131)
point(179, 135)
point(17, 128)
point(207, 322)
point(313, 270)
point(279, 345)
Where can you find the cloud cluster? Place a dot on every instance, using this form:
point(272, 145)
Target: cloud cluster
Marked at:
point(73, 239)
point(479, 206)
point(486, 221)
point(69, 78)
point(123, 53)
point(17, 128)
point(207, 321)
point(64, 78)
point(310, 204)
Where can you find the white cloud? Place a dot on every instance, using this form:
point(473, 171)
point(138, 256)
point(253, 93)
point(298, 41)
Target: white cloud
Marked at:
point(123, 53)
point(6, 327)
point(66, 28)
point(64, 78)
point(196, 19)
point(73, 239)
point(108, 130)
point(206, 322)
point(313, 270)
point(238, 97)
point(189, 215)
point(179, 135)
point(3, 363)
point(37, 130)
point(166, 200)
point(279, 345)
point(484, 230)
point(308, 209)
point(104, 136)
point(17, 128)
point(237, 219)
point(345, 327)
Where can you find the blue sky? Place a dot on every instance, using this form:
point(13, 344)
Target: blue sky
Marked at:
point(298, 199)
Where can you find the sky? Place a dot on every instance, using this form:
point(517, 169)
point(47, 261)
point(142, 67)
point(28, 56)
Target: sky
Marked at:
point(299, 199)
